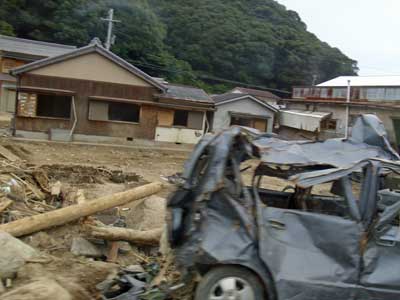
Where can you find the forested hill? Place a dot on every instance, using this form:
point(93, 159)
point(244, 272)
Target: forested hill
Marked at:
point(202, 42)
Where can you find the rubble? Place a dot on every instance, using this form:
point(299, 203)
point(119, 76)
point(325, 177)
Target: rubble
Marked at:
point(149, 214)
point(68, 262)
point(82, 247)
point(67, 214)
point(43, 289)
point(13, 255)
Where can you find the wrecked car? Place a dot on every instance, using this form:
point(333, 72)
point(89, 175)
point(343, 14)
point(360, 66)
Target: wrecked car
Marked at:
point(249, 241)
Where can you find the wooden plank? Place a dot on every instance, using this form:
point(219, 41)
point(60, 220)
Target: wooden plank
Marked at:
point(8, 154)
point(260, 125)
point(165, 117)
point(27, 104)
point(71, 213)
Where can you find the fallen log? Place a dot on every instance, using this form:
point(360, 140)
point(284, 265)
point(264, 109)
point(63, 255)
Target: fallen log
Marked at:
point(148, 237)
point(71, 213)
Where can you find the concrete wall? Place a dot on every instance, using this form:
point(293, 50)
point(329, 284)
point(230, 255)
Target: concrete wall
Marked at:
point(91, 66)
point(222, 117)
point(339, 113)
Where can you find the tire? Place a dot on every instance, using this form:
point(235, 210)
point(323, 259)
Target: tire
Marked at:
point(234, 281)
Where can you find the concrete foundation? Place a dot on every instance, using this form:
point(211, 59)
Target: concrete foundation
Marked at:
point(96, 139)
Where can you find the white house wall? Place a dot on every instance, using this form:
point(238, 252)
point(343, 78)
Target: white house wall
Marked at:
point(178, 135)
point(222, 117)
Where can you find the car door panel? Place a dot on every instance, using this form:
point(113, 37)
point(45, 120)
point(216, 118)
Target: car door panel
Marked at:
point(381, 275)
point(311, 255)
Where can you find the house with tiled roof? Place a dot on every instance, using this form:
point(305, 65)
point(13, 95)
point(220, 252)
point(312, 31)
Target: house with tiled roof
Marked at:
point(15, 52)
point(91, 94)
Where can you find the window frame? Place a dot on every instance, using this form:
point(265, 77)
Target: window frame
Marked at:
point(187, 119)
point(38, 94)
point(89, 118)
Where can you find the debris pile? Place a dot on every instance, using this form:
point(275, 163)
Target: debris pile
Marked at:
point(79, 226)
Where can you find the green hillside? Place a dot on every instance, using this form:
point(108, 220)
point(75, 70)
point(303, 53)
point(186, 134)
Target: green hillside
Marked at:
point(208, 43)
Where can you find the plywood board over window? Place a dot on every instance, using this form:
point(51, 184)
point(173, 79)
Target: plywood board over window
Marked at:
point(27, 103)
point(195, 120)
point(165, 117)
point(260, 125)
point(98, 111)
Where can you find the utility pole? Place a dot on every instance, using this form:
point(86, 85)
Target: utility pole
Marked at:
point(348, 109)
point(111, 21)
point(314, 81)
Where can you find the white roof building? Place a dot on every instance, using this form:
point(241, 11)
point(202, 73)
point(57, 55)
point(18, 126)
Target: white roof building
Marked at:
point(362, 81)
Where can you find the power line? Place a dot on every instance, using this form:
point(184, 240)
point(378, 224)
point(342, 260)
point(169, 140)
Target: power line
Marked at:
point(214, 78)
point(203, 76)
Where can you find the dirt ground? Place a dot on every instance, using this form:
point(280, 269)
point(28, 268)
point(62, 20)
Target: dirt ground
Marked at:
point(97, 171)
point(147, 163)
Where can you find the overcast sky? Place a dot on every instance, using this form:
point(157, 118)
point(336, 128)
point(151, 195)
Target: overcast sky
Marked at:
point(365, 30)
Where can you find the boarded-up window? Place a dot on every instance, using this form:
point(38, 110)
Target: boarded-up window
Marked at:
point(26, 105)
point(195, 120)
point(165, 117)
point(114, 111)
point(98, 111)
point(181, 118)
point(53, 106)
point(260, 125)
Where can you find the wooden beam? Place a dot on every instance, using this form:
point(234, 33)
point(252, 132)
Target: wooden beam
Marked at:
point(71, 213)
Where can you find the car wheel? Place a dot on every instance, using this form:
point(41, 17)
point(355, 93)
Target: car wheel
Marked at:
point(230, 283)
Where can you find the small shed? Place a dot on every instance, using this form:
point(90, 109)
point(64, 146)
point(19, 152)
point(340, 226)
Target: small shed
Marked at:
point(244, 110)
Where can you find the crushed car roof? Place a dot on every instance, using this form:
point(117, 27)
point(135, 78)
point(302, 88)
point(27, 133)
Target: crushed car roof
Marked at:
point(368, 140)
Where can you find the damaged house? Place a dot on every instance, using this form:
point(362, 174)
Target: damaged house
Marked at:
point(321, 110)
point(15, 52)
point(91, 94)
